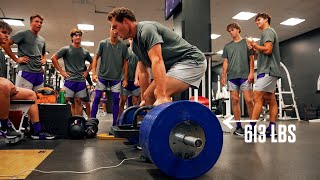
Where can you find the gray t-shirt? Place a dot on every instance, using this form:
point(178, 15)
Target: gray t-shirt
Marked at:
point(174, 48)
point(132, 65)
point(3, 66)
point(269, 64)
point(238, 55)
point(30, 45)
point(74, 61)
point(112, 57)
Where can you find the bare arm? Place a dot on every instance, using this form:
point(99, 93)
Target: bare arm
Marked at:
point(159, 73)
point(7, 49)
point(224, 71)
point(125, 70)
point(94, 67)
point(265, 49)
point(55, 63)
point(251, 64)
point(144, 77)
point(136, 75)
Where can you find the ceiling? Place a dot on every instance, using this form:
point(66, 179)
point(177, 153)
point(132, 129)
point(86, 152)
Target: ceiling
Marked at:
point(60, 16)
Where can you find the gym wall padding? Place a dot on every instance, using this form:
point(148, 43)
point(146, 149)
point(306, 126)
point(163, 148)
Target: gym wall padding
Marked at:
point(301, 55)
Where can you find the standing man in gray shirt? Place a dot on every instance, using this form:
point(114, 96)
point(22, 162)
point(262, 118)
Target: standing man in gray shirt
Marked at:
point(31, 54)
point(238, 68)
point(74, 57)
point(268, 70)
point(114, 58)
point(133, 88)
point(176, 65)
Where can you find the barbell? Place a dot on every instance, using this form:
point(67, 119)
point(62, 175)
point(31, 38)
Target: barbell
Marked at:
point(183, 138)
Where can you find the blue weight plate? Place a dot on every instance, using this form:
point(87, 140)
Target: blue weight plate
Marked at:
point(154, 138)
point(128, 114)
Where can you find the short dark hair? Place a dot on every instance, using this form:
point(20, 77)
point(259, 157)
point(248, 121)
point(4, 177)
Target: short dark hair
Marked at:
point(75, 31)
point(264, 16)
point(5, 26)
point(120, 13)
point(234, 25)
point(36, 16)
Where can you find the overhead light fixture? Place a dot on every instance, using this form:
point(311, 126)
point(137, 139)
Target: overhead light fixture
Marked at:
point(87, 43)
point(244, 15)
point(91, 54)
point(292, 21)
point(215, 36)
point(13, 22)
point(86, 27)
point(220, 52)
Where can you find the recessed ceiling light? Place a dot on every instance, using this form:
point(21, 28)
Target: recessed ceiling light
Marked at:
point(215, 36)
point(220, 52)
point(292, 21)
point(244, 15)
point(13, 22)
point(86, 27)
point(87, 43)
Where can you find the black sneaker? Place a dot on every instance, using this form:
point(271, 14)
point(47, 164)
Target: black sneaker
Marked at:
point(269, 133)
point(42, 136)
point(239, 131)
point(11, 133)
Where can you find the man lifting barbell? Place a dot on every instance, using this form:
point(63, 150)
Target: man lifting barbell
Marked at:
point(176, 65)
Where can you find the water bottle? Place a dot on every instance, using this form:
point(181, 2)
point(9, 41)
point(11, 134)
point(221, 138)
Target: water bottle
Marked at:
point(62, 97)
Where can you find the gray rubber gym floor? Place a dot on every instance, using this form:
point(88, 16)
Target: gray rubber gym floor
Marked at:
point(238, 160)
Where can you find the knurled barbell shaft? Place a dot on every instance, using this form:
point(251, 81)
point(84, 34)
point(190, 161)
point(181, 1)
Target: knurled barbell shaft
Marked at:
point(189, 140)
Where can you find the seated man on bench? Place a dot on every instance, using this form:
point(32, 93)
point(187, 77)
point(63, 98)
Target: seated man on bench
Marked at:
point(8, 91)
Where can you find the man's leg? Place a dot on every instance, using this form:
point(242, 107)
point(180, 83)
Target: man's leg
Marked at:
point(123, 100)
point(7, 89)
point(273, 111)
point(88, 109)
point(258, 102)
point(235, 104)
point(248, 97)
point(174, 86)
point(27, 94)
point(77, 106)
point(115, 89)
point(95, 103)
point(135, 100)
point(148, 96)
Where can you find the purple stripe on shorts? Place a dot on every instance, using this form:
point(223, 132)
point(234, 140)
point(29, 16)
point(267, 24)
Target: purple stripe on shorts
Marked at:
point(261, 75)
point(34, 78)
point(238, 81)
point(75, 86)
